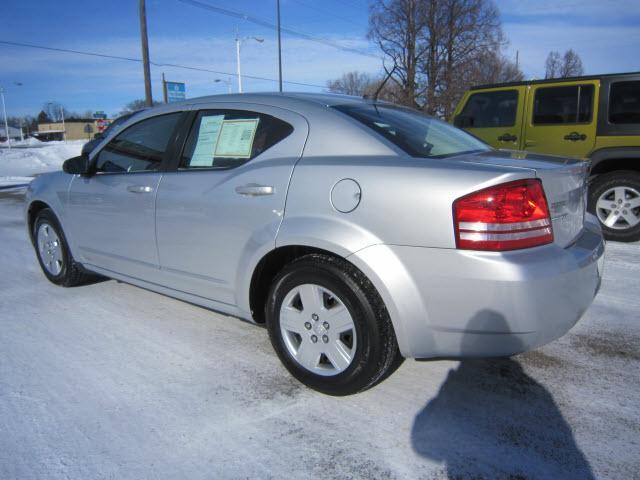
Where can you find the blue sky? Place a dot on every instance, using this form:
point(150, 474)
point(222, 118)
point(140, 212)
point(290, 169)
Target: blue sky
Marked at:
point(605, 33)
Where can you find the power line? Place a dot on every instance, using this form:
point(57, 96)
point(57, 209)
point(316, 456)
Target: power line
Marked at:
point(267, 24)
point(155, 64)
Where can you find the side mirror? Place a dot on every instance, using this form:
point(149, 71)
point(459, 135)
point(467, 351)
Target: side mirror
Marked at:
point(76, 165)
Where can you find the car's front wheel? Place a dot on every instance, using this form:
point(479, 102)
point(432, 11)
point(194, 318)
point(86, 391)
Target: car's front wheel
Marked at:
point(330, 327)
point(53, 253)
point(614, 198)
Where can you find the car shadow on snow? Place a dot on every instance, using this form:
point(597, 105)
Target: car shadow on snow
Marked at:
point(490, 420)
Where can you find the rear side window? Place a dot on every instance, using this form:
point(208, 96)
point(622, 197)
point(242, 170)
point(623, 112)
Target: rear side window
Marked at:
point(140, 147)
point(229, 138)
point(417, 134)
point(489, 109)
point(563, 105)
point(624, 102)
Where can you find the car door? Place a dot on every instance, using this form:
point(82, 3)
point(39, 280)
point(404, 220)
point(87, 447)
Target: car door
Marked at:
point(112, 211)
point(561, 118)
point(494, 116)
point(224, 201)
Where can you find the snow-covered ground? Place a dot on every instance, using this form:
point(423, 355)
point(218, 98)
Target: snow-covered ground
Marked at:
point(32, 157)
point(113, 381)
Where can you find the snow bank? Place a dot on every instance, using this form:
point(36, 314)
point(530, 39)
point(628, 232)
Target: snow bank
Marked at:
point(28, 158)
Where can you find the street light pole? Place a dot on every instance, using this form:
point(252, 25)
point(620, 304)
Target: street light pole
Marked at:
point(238, 42)
point(238, 64)
point(4, 113)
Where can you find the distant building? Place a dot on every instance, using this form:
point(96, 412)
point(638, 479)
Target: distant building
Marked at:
point(73, 129)
point(14, 133)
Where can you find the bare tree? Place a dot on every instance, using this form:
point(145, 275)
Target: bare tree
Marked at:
point(351, 83)
point(135, 105)
point(558, 66)
point(397, 26)
point(572, 64)
point(434, 46)
point(472, 32)
point(493, 67)
point(55, 111)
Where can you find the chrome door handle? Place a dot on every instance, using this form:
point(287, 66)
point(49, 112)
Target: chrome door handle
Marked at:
point(254, 190)
point(140, 189)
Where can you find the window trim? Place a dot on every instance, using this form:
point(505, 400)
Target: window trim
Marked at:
point(579, 86)
point(484, 92)
point(187, 127)
point(604, 128)
point(166, 156)
point(610, 95)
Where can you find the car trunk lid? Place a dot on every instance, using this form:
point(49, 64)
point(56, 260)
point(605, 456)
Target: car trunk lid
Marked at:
point(564, 182)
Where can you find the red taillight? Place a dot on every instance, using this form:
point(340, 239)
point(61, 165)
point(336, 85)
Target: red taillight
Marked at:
point(504, 217)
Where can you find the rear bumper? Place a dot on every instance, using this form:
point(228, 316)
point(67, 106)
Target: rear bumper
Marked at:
point(455, 303)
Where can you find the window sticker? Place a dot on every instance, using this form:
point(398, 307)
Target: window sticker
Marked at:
point(207, 140)
point(236, 138)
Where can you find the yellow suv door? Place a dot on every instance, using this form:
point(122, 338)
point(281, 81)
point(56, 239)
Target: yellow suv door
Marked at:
point(561, 118)
point(493, 115)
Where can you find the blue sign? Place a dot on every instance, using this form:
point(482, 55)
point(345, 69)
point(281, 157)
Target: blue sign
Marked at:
point(176, 91)
point(100, 115)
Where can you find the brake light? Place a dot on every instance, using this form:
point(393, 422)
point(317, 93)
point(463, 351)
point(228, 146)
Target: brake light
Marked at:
point(508, 216)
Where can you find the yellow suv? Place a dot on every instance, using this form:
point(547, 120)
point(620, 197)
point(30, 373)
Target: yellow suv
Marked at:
point(595, 118)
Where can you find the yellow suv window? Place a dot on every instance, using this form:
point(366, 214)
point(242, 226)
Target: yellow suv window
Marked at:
point(624, 102)
point(489, 109)
point(563, 105)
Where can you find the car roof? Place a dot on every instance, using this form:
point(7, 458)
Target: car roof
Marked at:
point(551, 80)
point(284, 99)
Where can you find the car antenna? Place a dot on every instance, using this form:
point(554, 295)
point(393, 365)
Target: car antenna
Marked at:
point(379, 89)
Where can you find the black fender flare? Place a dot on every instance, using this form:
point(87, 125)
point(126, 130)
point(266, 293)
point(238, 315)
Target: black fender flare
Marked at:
point(625, 155)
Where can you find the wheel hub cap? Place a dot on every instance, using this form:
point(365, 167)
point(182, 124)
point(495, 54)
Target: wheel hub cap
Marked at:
point(619, 208)
point(318, 330)
point(49, 249)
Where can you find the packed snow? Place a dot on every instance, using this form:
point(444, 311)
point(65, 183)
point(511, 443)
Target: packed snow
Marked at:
point(32, 157)
point(113, 381)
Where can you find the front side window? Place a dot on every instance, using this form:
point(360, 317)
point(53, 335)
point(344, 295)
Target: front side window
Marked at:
point(489, 109)
point(624, 102)
point(417, 134)
point(563, 105)
point(229, 138)
point(139, 148)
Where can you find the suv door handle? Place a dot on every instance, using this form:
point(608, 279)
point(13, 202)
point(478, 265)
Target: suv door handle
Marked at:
point(254, 190)
point(140, 189)
point(575, 136)
point(507, 137)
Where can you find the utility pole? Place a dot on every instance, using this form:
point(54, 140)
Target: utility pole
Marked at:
point(64, 130)
point(4, 112)
point(148, 98)
point(279, 48)
point(517, 58)
point(164, 89)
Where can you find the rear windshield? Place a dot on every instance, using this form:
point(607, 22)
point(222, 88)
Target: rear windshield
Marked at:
point(417, 134)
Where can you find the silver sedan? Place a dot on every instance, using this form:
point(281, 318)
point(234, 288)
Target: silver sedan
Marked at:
point(359, 232)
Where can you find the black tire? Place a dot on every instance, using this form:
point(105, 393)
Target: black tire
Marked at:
point(376, 354)
point(71, 273)
point(599, 186)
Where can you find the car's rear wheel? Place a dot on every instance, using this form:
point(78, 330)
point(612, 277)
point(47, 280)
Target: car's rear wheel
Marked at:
point(614, 198)
point(53, 252)
point(330, 327)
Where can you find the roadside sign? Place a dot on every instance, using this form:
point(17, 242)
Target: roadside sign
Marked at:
point(176, 91)
point(100, 114)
